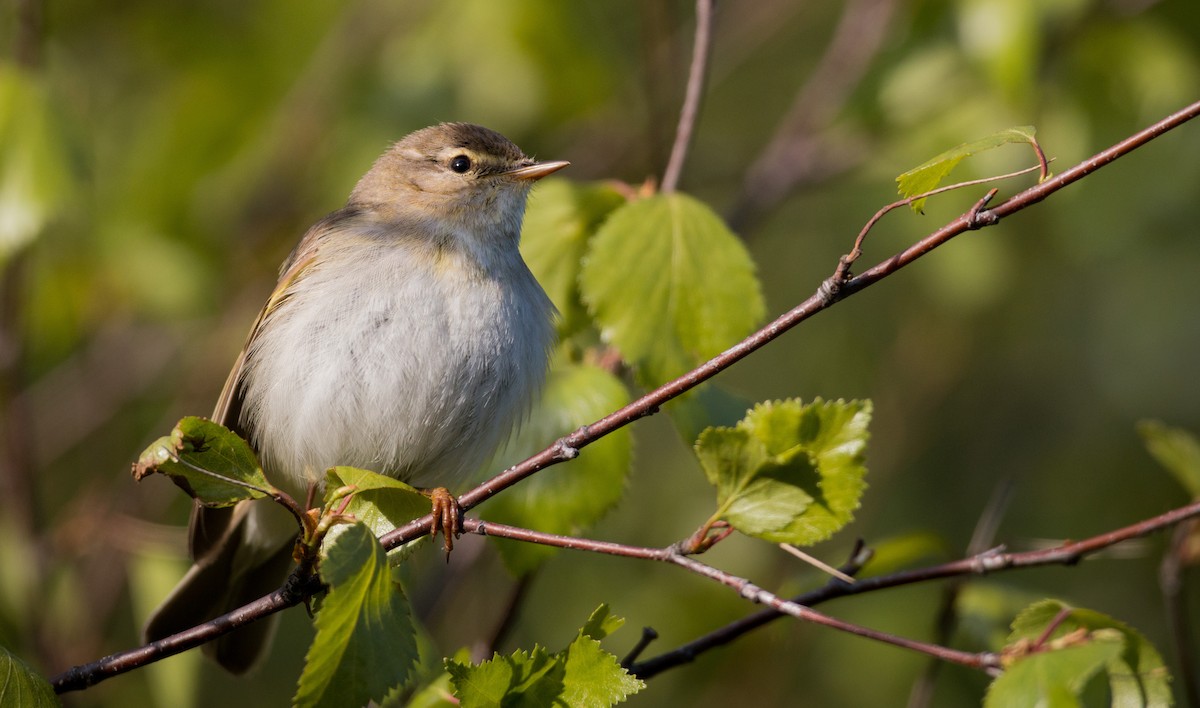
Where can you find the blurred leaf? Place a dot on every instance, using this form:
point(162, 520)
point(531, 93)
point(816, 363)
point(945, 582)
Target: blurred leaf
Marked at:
point(566, 498)
point(669, 285)
point(927, 176)
point(706, 406)
point(581, 675)
point(22, 686)
point(1136, 674)
point(561, 219)
point(1177, 450)
point(208, 461)
point(1053, 679)
point(33, 170)
point(365, 643)
point(904, 551)
point(789, 472)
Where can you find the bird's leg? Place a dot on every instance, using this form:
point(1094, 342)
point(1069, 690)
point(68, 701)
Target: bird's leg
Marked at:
point(447, 516)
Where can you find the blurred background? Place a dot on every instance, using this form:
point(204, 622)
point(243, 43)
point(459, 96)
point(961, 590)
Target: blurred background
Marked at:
point(159, 160)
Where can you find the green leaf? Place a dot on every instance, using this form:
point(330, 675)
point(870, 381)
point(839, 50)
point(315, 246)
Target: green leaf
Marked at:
point(380, 502)
point(365, 643)
point(601, 624)
point(561, 219)
point(594, 677)
point(669, 285)
point(581, 675)
point(1177, 450)
point(789, 472)
point(22, 686)
point(208, 461)
point(33, 169)
point(1053, 678)
point(1135, 669)
point(927, 176)
point(567, 498)
point(521, 680)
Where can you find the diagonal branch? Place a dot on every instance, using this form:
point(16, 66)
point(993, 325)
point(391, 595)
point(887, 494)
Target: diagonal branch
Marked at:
point(568, 447)
point(990, 561)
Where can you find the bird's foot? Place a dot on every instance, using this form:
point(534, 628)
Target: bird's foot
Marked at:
point(447, 516)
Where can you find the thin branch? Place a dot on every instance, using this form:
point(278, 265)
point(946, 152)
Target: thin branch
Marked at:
point(980, 564)
point(695, 91)
point(568, 447)
point(856, 250)
point(748, 590)
point(829, 292)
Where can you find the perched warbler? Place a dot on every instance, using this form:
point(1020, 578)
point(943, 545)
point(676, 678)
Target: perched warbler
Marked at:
point(406, 335)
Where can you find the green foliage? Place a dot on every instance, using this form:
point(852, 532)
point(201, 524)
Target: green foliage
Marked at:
point(669, 285)
point(573, 496)
point(1054, 669)
point(1175, 449)
point(789, 472)
point(33, 170)
point(208, 461)
point(559, 223)
point(365, 643)
point(22, 686)
point(583, 674)
point(927, 176)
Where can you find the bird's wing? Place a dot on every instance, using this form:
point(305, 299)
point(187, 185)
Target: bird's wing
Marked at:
point(208, 526)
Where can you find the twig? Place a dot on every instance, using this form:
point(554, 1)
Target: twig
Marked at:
point(979, 564)
point(986, 661)
point(856, 251)
point(568, 447)
point(817, 563)
point(695, 91)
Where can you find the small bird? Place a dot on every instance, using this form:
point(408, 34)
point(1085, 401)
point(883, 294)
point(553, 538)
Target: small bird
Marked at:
point(406, 336)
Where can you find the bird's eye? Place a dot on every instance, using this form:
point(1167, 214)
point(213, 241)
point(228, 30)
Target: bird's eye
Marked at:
point(460, 164)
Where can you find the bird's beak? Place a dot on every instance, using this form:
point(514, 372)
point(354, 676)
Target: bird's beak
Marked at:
point(537, 170)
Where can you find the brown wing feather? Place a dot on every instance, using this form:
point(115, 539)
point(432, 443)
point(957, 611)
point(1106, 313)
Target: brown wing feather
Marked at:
point(207, 526)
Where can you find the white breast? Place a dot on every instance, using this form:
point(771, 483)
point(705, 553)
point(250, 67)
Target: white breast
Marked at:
point(398, 360)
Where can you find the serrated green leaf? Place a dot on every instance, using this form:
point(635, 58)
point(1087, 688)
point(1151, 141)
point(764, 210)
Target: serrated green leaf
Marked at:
point(1136, 674)
point(561, 218)
point(22, 686)
point(520, 680)
point(208, 461)
point(365, 643)
point(1175, 449)
point(594, 677)
point(33, 169)
point(568, 498)
point(669, 285)
point(927, 176)
point(601, 624)
point(583, 674)
point(789, 472)
point(381, 502)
